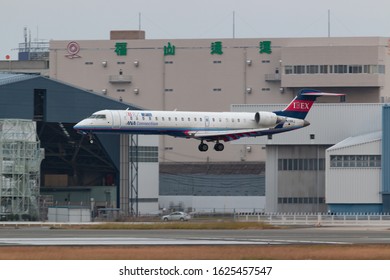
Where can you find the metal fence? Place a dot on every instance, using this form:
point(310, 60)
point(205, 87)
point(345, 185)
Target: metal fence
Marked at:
point(348, 219)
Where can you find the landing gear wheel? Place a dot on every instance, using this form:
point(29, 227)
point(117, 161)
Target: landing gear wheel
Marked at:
point(203, 147)
point(219, 147)
point(90, 136)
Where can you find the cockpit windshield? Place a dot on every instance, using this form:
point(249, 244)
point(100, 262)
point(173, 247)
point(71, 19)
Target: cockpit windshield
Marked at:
point(98, 116)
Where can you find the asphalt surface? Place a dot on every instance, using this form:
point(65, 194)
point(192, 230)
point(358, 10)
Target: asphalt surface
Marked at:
point(318, 235)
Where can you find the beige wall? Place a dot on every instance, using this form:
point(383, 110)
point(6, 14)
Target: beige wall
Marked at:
point(194, 79)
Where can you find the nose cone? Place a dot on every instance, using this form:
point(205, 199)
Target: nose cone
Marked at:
point(80, 125)
point(306, 123)
point(77, 126)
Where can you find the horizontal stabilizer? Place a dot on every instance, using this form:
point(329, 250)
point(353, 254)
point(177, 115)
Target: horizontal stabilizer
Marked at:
point(322, 94)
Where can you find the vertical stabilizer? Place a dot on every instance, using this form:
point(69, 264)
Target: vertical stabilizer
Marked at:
point(302, 103)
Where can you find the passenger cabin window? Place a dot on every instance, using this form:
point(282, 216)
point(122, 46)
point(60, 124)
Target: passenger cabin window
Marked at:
point(182, 119)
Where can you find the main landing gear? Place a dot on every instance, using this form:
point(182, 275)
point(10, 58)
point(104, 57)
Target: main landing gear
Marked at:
point(204, 147)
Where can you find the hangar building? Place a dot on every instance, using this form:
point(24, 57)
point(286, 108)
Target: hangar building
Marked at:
point(73, 170)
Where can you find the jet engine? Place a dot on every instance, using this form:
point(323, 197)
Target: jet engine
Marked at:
point(266, 118)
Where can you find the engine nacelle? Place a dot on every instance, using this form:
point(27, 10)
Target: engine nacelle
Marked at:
point(266, 118)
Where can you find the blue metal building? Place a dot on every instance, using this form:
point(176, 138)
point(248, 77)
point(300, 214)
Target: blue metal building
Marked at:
point(70, 160)
point(386, 158)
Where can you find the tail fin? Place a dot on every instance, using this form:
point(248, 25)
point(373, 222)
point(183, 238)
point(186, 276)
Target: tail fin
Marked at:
point(301, 104)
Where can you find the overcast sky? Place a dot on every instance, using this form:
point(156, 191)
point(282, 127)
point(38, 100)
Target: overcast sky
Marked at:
point(173, 19)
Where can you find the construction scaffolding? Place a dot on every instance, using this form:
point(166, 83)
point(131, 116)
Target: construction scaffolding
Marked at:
point(33, 50)
point(20, 160)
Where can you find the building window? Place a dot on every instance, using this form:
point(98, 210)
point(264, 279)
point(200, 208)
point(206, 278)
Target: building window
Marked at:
point(302, 164)
point(288, 69)
point(312, 69)
point(301, 200)
point(355, 161)
point(299, 69)
point(341, 69)
point(324, 69)
point(145, 154)
point(355, 69)
point(334, 69)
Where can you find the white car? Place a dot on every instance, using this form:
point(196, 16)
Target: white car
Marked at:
point(176, 216)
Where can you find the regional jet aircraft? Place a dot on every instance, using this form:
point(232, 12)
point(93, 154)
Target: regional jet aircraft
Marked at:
point(204, 126)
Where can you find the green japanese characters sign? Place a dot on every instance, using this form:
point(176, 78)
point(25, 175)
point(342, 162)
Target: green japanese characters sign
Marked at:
point(216, 48)
point(169, 49)
point(121, 49)
point(265, 47)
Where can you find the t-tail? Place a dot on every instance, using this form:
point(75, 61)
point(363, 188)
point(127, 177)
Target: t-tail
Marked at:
point(301, 104)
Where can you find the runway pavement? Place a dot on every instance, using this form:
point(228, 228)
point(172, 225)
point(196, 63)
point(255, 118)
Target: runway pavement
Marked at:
point(321, 235)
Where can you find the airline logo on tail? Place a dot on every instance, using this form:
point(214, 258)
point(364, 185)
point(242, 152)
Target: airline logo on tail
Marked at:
point(302, 103)
point(300, 106)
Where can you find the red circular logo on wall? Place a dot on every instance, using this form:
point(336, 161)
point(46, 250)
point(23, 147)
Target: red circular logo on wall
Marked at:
point(73, 49)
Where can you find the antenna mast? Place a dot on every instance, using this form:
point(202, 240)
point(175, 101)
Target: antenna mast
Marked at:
point(234, 24)
point(139, 21)
point(328, 23)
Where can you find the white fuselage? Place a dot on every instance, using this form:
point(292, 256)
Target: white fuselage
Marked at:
point(157, 122)
point(205, 126)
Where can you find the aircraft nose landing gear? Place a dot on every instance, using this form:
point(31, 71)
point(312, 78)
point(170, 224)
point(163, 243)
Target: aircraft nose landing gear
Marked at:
point(90, 136)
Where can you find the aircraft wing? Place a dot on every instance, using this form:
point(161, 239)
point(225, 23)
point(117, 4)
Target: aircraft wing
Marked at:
point(225, 135)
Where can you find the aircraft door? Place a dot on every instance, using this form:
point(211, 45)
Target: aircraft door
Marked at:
point(206, 121)
point(116, 119)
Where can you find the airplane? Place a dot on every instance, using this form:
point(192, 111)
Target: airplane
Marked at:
point(204, 126)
